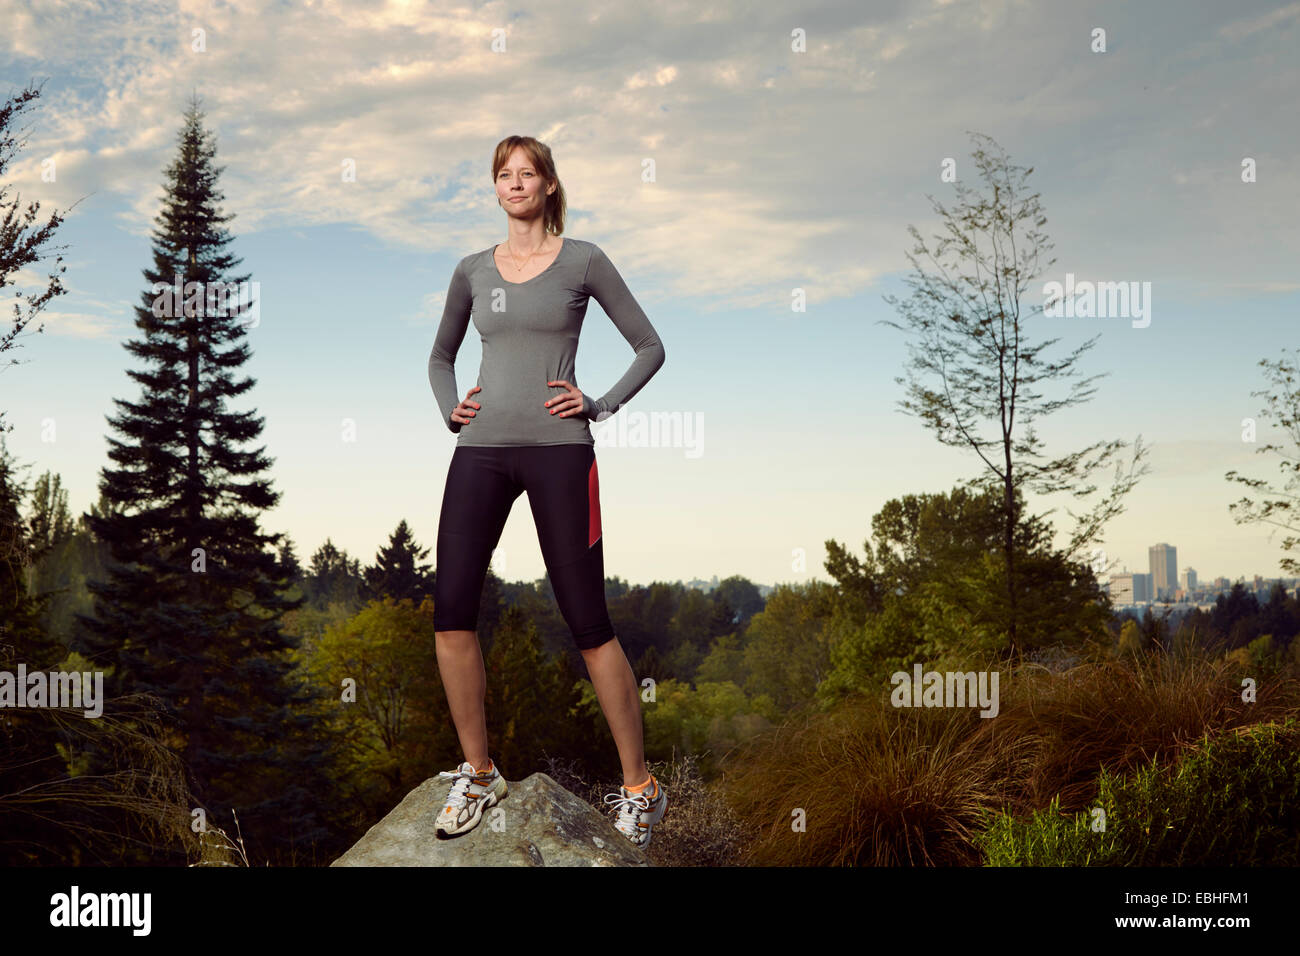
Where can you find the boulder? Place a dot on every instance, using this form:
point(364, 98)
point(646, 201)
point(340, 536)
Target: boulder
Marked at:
point(539, 823)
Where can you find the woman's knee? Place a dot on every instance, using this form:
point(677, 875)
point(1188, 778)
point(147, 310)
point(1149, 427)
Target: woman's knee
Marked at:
point(597, 645)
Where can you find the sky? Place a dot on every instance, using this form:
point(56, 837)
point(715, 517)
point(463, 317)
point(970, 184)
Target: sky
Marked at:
point(791, 147)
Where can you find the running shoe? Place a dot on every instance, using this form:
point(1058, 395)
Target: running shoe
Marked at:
point(638, 812)
point(471, 794)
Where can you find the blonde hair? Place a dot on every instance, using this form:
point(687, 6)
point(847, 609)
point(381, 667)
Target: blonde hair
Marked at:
point(539, 154)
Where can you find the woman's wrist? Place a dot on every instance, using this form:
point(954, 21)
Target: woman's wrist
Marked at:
point(595, 409)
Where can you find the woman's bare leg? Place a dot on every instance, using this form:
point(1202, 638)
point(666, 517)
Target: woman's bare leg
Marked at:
point(617, 691)
point(460, 664)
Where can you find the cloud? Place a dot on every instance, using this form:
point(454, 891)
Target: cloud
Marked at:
point(772, 169)
point(82, 325)
point(1249, 26)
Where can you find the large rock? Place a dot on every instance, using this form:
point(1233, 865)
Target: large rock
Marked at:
point(539, 823)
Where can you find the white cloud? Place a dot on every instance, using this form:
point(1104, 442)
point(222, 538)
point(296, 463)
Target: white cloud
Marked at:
point(773, 169)
point(81, 325)
point(1248, 26)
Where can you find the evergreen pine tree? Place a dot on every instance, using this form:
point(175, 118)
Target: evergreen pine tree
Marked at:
point(28, 755)
point(398, 572)
point(189, 611)
point(22, 636)
point(52, 809)
point(289, 558)
point(334, 578)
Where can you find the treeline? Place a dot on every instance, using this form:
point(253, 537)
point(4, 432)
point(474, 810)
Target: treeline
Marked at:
point(370, 714)
point(1239, 627)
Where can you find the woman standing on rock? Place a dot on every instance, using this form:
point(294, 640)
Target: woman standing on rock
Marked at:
point(526, 429)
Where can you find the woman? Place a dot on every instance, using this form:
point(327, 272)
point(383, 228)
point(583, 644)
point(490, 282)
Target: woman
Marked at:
point(526, 429)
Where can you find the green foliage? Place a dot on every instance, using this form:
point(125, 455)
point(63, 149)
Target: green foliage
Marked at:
point(934, 586)
point(709, 719)
point(683, 659)
point(73, 791)
point(1233, 801)
point(787, 652)
point(864, 659)
point(1131, 639)
point(1266, 655)
point(741, 597)
point(1052, 838)
point(724, 662)
point(378, 700)
point(693, 621)
point(334, 580)
point(531, 700)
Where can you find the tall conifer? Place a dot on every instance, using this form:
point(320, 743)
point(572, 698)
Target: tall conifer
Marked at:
point(189, 611)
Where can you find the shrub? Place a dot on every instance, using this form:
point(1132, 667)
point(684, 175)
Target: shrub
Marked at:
point(1233, 800)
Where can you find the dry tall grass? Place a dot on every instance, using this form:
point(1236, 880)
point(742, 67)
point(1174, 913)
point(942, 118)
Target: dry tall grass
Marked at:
point(878, 785)
point(699, 828)
point(1121, 715)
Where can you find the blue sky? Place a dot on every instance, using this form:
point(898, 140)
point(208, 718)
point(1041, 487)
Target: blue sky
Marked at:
point(774, 170)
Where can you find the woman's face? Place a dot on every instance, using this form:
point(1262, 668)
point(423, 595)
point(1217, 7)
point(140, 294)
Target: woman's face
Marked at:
point(520, 189)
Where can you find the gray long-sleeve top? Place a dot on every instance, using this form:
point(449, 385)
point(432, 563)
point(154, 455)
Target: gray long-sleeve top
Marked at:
point(530, 337)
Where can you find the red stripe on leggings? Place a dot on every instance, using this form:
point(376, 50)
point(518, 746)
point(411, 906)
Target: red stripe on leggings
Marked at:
point(593, 505)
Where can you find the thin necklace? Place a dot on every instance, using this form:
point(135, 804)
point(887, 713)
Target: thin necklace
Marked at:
point(530, 255)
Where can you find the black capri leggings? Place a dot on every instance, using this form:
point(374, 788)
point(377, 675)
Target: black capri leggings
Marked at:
point(482, 484)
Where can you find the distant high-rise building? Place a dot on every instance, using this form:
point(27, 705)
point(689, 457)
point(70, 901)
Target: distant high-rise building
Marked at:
point(701, 585)
point(1188, 579)
point(1130, 588)
point(1164, 570)
point(1264, 588)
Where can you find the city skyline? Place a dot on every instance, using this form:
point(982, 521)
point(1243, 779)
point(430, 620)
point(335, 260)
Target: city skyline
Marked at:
point(1129, 587)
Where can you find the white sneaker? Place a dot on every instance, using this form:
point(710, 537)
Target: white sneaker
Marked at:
point(637, 813)
point(471, 794)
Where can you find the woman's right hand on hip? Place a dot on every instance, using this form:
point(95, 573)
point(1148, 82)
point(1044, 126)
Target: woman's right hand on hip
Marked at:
point(463, 413)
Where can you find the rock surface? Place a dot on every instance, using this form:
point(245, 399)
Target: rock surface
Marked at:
point(539, 823)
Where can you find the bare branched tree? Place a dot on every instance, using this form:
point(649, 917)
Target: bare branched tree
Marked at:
point(20, 244)
point(1281, 511)
point(971, 325)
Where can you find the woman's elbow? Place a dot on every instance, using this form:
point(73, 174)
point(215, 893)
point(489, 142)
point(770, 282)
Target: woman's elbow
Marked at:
point(441, 359)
